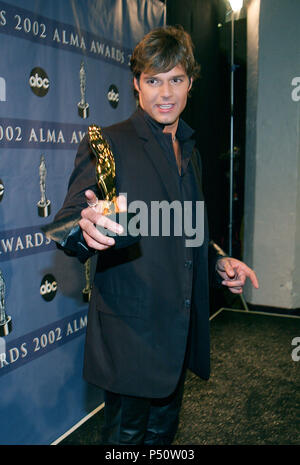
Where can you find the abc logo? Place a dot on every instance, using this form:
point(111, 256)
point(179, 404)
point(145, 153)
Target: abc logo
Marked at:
point(48, 287)
point(113, 96)
point(39, 82)
point(1, 190)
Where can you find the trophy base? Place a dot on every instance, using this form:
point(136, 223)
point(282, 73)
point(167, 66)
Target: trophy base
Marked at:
point(86, 295)
point(124, 239)
point(5, 328)
point(44, 210)
point(83, 110)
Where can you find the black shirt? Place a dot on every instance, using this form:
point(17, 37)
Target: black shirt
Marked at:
point(183, 134)
point(187, 186)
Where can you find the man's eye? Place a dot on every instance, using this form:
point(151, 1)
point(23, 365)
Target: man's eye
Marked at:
point(152, 81)
point(177, 80)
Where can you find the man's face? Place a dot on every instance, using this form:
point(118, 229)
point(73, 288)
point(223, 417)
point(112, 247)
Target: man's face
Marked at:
point(163, 96)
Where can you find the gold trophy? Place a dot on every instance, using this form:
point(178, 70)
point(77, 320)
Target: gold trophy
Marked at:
point(105, 168)
point(60, 231)
point(106, 180)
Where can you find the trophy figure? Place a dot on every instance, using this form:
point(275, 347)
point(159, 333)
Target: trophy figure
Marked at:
point(106, 180)
point(86, 292)
point(5, 321)
point(44, 205)
point(83, 106)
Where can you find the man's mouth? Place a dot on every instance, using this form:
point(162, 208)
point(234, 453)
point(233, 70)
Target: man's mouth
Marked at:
point(166, 106)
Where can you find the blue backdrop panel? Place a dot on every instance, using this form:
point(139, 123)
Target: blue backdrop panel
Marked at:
point(64, 65)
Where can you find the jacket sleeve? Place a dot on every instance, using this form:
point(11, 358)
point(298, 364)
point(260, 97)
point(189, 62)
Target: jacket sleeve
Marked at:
point(64, 230)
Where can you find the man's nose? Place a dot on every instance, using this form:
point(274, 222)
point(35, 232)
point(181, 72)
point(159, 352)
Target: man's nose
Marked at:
point(166, 90)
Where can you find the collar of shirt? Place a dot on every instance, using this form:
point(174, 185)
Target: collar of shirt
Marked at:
point(184, 135)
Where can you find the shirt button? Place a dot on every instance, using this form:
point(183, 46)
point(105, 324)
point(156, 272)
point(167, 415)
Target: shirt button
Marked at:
point(187, 303)
point(188, 264)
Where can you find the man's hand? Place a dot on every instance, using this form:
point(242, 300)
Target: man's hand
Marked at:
point(234, 274)
point(93, 215)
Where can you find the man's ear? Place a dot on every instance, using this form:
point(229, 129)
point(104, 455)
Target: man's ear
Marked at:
point(191, 83)
point(136, 84)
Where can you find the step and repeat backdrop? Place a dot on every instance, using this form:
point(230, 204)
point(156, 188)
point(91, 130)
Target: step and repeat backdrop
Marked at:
point(64, 64)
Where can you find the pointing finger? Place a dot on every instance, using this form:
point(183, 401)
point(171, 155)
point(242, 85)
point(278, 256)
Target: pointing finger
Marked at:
point(254, 279)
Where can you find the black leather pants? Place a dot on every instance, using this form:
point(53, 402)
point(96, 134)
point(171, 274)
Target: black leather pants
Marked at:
point(138, 420)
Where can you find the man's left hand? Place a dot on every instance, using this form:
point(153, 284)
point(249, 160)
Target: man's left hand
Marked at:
point(234, 274)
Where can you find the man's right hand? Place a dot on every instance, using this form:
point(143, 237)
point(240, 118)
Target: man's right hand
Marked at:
point(92, 216)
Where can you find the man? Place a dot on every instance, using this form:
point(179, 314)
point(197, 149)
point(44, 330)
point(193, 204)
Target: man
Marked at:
point(149, 315)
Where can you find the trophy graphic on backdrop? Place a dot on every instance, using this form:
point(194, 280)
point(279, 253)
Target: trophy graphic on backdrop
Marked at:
point(5, 320)
point(106, 180)
point(44, 205)
point(86, 292)
point(83, 106)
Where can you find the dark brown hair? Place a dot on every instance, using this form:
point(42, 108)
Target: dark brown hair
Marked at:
point(162, 49)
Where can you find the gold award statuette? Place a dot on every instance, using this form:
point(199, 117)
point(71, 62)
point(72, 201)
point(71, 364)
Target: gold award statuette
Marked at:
point(106, 180)
point(105, 168)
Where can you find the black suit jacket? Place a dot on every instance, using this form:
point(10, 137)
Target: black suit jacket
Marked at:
point(144, 298)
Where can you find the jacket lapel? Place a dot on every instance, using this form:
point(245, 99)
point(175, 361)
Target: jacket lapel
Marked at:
point(155, 153)
point(196, 163)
